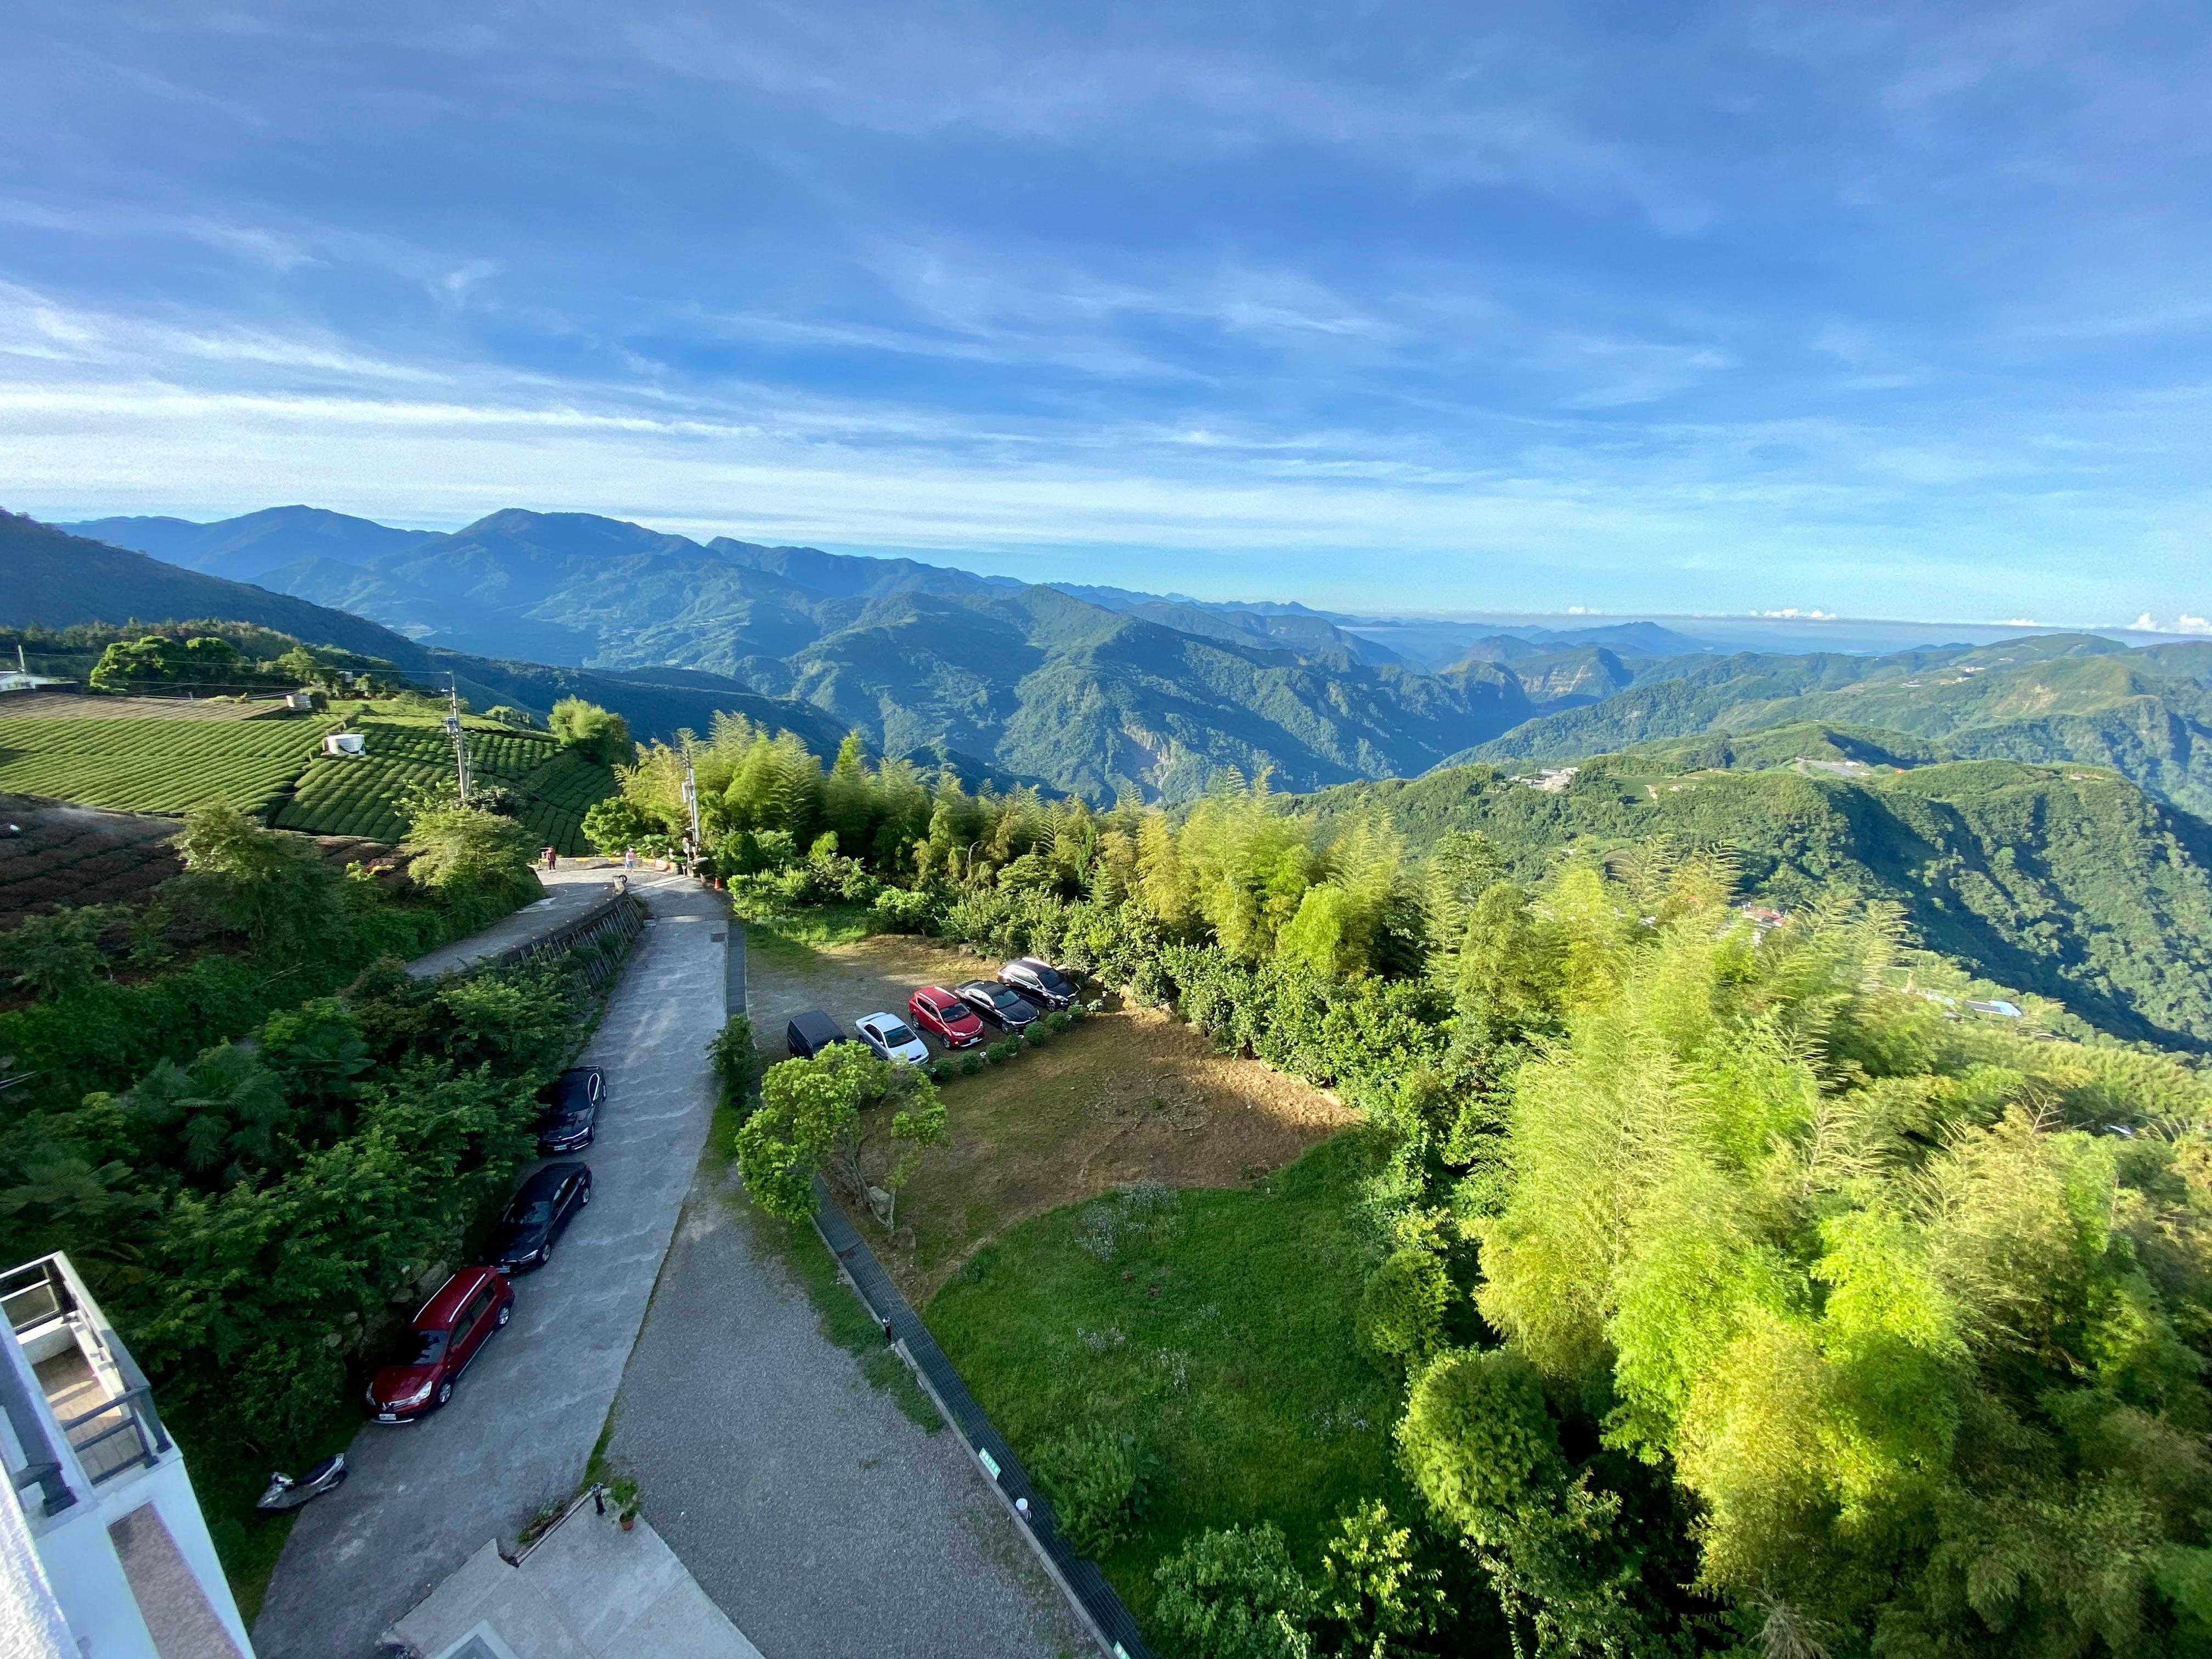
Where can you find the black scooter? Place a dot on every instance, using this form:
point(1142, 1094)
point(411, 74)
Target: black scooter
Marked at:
point(286, 1493)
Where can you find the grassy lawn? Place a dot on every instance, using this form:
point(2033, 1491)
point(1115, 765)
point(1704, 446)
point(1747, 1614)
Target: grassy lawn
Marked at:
point(1215, 1325)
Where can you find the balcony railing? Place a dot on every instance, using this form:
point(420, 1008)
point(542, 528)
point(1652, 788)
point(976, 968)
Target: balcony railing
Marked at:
point(98, 1395)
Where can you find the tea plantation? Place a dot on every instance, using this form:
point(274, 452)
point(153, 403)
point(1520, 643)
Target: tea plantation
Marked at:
point(272, 764)
point(362, 795)
point(155, 765)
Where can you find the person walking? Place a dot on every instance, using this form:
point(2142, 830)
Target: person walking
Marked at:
point(629, 857)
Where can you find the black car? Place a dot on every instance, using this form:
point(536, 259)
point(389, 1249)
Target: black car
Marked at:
point(540, 1210)
point(1039, 981)
point(997, 1005)
point(572, 1110)
point(810, 1033)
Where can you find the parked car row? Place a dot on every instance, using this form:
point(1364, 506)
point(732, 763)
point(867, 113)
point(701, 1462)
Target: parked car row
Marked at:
point(452, 1329)
point(1024, 990)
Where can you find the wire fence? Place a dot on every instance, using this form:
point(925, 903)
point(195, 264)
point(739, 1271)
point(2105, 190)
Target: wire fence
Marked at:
point(1098, 1602)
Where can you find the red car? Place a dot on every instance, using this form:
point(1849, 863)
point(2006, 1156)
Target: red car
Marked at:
point(450, 1331)
point(937, 1011)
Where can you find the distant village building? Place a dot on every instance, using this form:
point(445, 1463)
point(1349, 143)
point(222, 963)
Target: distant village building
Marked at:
point(1554, 783)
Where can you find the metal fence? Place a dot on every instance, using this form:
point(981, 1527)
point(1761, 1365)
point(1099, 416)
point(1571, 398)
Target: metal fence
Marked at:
point(1097, 1600)
point(605, 930)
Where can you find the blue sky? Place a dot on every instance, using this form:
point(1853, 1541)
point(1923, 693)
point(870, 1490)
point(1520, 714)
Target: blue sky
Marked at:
point(1886, 311)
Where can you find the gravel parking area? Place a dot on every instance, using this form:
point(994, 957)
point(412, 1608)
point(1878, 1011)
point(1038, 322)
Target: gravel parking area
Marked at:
point(819, 1518)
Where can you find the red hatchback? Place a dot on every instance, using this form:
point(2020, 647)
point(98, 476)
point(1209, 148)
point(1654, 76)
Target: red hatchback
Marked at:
point(451, 1331)
point(935, 1009)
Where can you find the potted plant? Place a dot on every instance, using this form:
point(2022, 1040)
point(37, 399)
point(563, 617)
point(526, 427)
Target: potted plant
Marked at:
point(623, 1491)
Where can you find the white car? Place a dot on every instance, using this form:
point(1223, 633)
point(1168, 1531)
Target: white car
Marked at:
point(891, 1037)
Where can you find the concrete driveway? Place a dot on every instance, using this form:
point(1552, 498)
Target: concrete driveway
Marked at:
point(569, 892)
point(425, 1497)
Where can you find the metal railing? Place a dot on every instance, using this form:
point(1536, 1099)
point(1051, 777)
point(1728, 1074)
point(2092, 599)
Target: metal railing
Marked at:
point(123, 1431)
point(603, 932)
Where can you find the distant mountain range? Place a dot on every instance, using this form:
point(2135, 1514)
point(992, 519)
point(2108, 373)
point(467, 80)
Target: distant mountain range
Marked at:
point(1084, 689)
point(53, 580)
point(2144, 712)
point(1096, 689)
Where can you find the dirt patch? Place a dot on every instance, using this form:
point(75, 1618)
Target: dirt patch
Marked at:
point(68, 706)
point(54, 856)
point(1127, 1096)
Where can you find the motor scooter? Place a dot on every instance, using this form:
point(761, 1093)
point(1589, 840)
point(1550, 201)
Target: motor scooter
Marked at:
point(286, 1493)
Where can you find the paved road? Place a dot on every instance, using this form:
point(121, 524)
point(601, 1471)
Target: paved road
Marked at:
point(423, 1498)
point(569, 892)
point(817, 1516)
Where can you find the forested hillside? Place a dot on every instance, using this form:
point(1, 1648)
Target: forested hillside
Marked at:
point(1096, 689)
point(2146, 713)
point(1037, 682)
point(65, 597)
point(2064, 881)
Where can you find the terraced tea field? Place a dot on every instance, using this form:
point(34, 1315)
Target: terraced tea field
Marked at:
point(164, 765)
point(361, 796)
point(168, 762)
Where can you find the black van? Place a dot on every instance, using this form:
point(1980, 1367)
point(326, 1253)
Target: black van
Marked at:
point(810, 1033)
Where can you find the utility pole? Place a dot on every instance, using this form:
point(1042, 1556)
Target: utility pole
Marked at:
point(459, 737)
point(692, 801)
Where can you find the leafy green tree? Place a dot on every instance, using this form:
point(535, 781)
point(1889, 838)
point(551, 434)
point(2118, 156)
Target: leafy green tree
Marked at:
point(1402, 1306)
point(1509, 977)
point(53, 955)
point(467, 850)
point(304, 667)
point(835, 1113)
point(734, 1056)
point(1480, 1445)
point(271, 886)
point(157, 659)
point(318, 1055)
point(598, 733)
point(1235, 1594)
point(224, 1118)
point(1097, 1477)
point(615, 824)
point(1380, 1596)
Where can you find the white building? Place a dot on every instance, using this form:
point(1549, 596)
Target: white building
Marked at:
point(105, 1555)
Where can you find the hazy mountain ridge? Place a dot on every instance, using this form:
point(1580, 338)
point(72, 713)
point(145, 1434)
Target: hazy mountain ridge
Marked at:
point(53, 579)
point(2145, 712)
point(2065, 880)
point(1098, 689)
point(1146, 693)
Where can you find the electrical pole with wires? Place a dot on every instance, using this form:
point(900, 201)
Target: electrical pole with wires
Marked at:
point(691, 802)
point(460, 738)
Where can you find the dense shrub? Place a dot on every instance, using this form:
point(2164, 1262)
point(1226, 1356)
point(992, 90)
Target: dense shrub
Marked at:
point(1235, 1594)
point(1096, 1477)
point(734, 1056)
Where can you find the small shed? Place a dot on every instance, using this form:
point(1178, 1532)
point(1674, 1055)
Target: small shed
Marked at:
point(345, 743)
